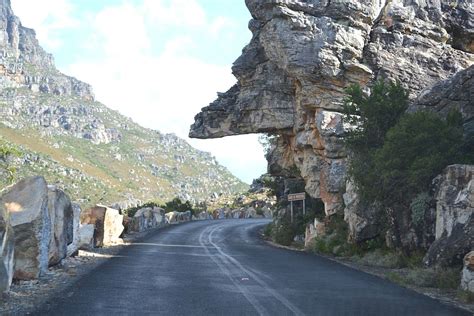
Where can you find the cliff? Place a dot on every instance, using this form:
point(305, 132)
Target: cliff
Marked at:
point(303, 54)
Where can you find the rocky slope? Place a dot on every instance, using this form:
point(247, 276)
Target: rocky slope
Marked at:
point(72, 139)
point(303, 54)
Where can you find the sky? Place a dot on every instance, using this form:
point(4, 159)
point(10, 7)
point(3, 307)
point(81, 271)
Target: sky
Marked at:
point(156, 61)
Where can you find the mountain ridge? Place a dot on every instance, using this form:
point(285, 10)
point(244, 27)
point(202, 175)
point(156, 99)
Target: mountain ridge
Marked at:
point(93, 152)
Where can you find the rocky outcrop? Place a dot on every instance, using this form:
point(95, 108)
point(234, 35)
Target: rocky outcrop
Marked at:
point(7, 243)
point(107, 222)
point(27, 204)
point(292, 75)
point(61, 215)
point(467, 279)
point(22, 60)
point(455, 93)
point(454, 216)
point(363, 220)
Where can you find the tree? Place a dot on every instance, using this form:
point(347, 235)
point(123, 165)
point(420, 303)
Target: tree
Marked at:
point(371, 116)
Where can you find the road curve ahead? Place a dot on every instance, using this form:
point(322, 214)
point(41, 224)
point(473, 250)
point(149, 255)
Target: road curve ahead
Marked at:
point(223, 268)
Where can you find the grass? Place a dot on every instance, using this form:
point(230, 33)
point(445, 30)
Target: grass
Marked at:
point(427, 277)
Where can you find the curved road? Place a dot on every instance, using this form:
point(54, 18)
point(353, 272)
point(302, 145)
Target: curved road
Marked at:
point(223, 268)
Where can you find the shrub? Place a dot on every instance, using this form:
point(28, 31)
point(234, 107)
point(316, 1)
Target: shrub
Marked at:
point(176, 205)
point(419, 206)
point(415, 151)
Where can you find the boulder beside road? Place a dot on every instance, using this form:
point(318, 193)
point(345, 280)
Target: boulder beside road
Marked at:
point(7, 242)
point(108, 225)
point(27, 204)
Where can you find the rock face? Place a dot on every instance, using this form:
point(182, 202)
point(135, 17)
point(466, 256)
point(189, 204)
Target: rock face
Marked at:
point(292, 75)
point(363, 220)
point(454, 216)
point(27, 204)
point(7, 242)
point(456, 92)
point(61, 215)
point(108, 225)
point(467, 280)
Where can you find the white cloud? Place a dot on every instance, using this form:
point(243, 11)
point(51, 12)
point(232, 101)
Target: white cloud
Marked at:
point(160, 90)
point(175, 12)
point(46, 17)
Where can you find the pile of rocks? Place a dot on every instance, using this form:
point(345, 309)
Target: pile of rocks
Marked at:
point(39, 227)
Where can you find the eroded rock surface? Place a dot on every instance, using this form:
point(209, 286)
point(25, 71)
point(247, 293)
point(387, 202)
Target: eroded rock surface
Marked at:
point(61, 215)
point(454, 216)
point(303, 54)
point(147, 218)
point(108, 225)
point(27, 203)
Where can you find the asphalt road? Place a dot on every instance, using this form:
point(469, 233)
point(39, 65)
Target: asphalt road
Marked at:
point(223, 268)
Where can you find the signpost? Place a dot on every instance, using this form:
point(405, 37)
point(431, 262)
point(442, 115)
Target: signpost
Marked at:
point(297, 197)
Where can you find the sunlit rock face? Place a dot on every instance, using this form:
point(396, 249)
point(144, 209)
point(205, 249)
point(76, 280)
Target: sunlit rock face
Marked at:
point(303, 54)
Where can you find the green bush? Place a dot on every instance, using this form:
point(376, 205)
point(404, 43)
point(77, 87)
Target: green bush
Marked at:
point(419, 206)
point(130, 212)
point(176, 205)
point(415, 151)
point(395, 155)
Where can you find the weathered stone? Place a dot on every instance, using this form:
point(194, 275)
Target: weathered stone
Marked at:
point(171, 217)
point(61, 215)
point(7, 249)
point(455, 92)
point(303, 54)
point(454, 216)
point(363, 220)
point(86, 237)
point(27, 203)
point(467, 279)
point(108, 225)
point(73, 247)
point(313, 230)
point(147, 218)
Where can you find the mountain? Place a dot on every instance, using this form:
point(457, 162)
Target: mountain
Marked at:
point(94, 153)
point(292, 81)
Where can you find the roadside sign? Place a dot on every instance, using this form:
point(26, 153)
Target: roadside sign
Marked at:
point(297, 197)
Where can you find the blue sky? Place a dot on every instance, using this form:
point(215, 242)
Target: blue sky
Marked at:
point(156, 61)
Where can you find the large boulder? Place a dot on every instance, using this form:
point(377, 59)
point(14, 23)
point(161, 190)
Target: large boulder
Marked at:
point(61, 215)
point(7, 245)
point(147, 218)
point(108, 225)
point(171, 217)
point(454, 216)
point(467, 279)
point(86, 237)
point(27, 203)
point(76, 223)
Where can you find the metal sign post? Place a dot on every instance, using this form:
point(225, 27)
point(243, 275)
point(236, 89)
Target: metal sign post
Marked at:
point(297, 197)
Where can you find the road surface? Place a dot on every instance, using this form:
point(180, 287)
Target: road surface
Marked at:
point(223, 268)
